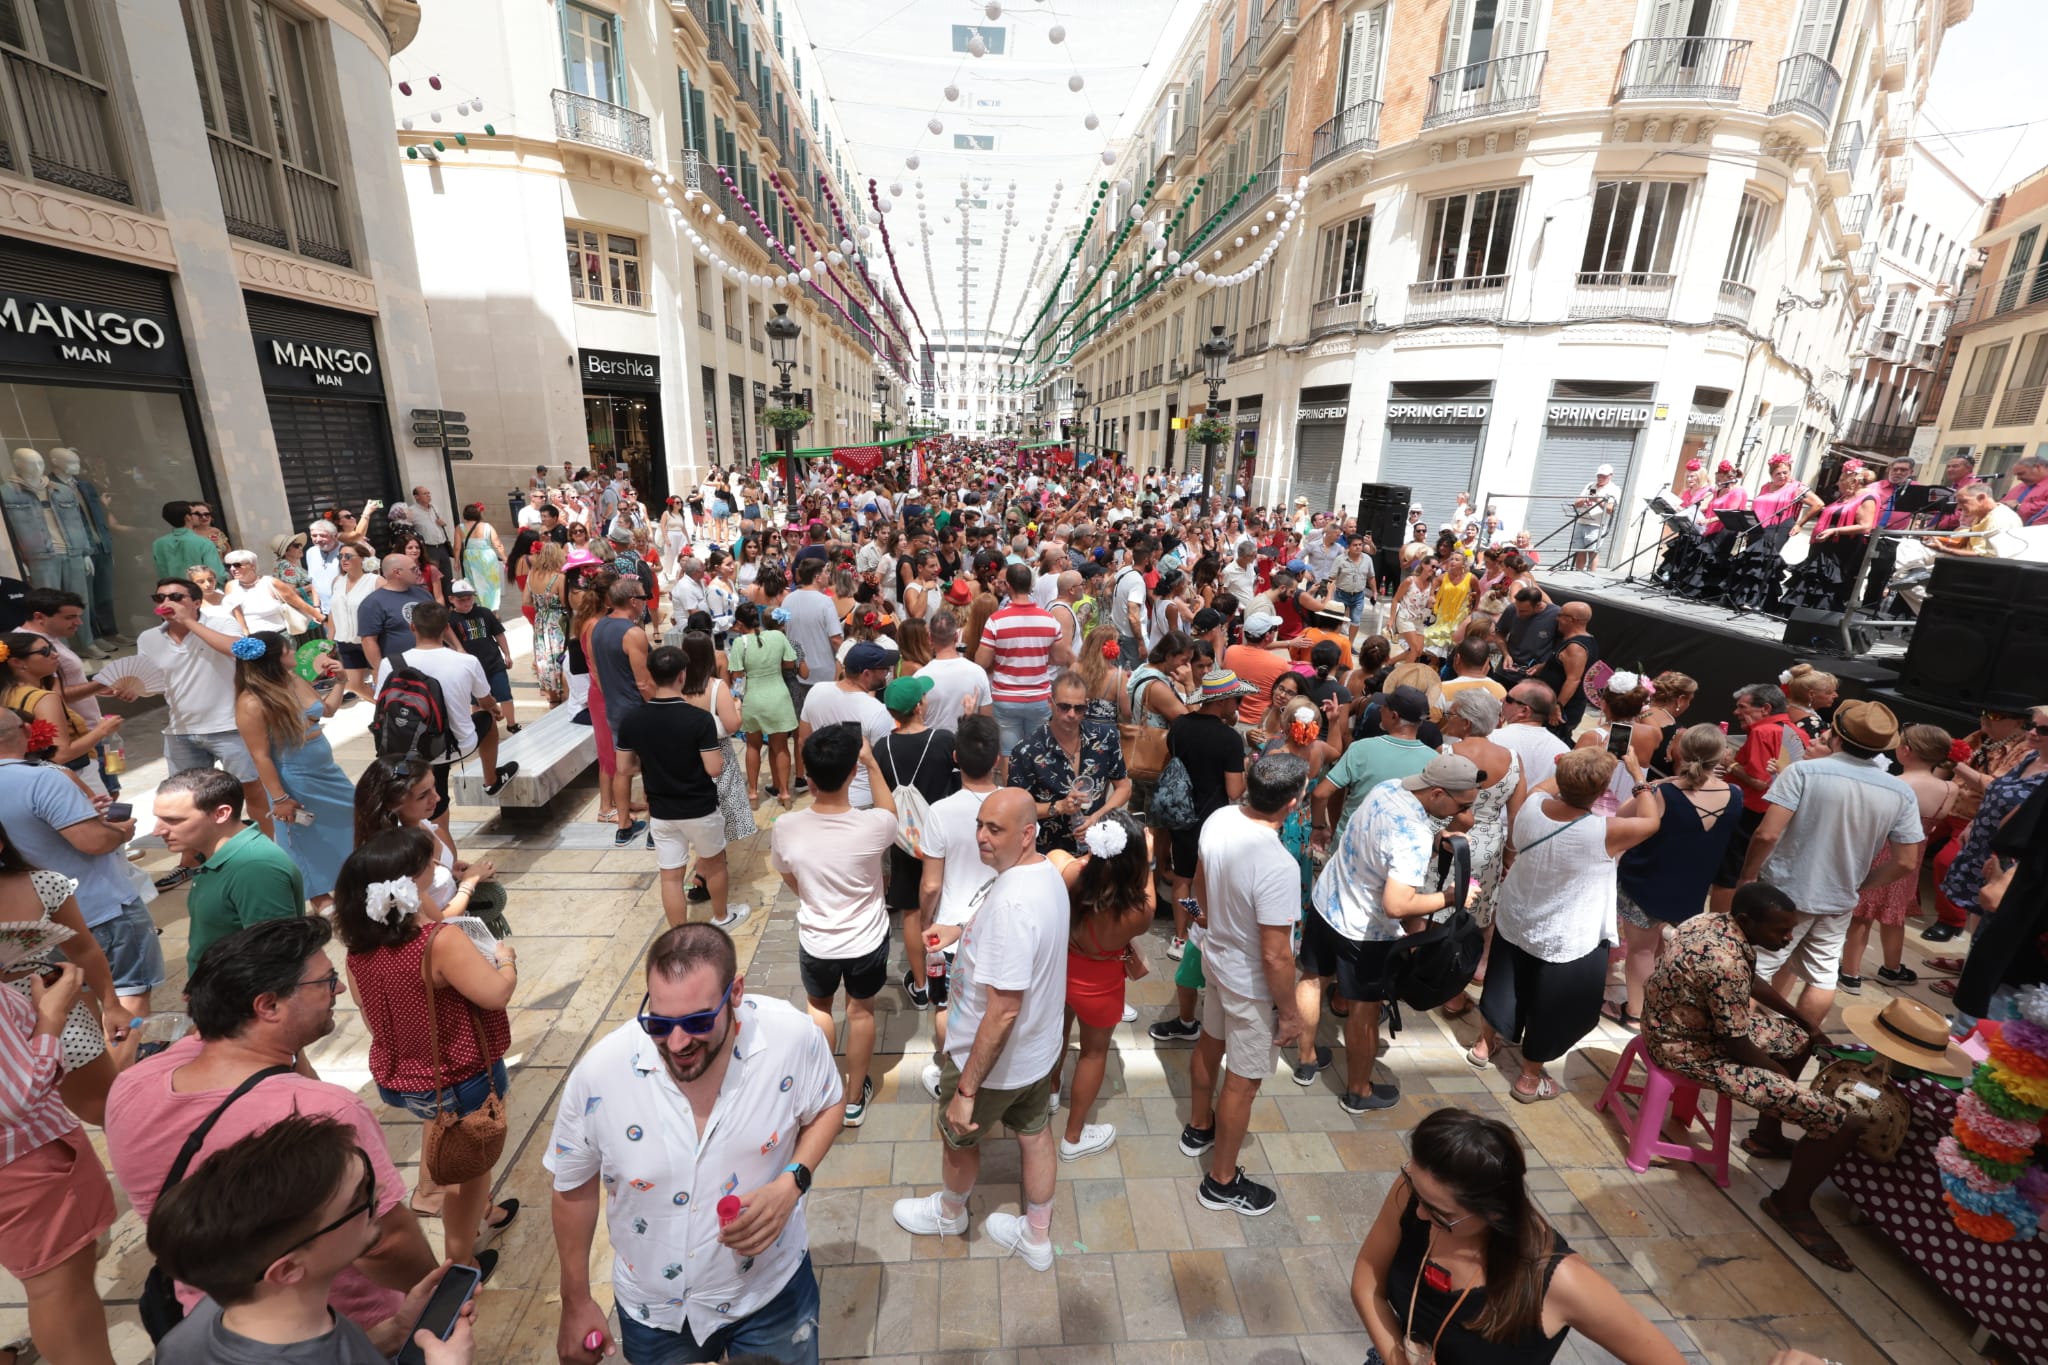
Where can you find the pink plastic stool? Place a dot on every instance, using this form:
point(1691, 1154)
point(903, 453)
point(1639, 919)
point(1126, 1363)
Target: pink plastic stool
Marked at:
point(1660, 1095)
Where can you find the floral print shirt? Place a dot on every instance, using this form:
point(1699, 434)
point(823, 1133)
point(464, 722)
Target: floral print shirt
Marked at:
point(1040, 766)
point(1699, 994)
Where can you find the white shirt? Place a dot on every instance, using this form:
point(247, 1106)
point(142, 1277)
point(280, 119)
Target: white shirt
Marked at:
point(1046, 590)
point(688, 595)
point(948, 836)
point(323, 569)
point(529, 515)
point(1251, 880)
point(1538, 749)
point(261, 607)
point(462, 682)
point(953, 682)
point(197, 680)
point(427, 521)
point(1241, 582)
point(1017, 941)
point(830, 704)
point(623, 1120)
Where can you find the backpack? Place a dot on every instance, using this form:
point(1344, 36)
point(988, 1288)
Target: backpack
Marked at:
point(1424, 970)
point(1173, 799)
point(410, 719)
point(912, 810)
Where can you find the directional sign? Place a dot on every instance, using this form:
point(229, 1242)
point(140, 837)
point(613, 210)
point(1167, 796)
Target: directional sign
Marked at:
point(426, 440)
point(457, 443)
point(462, 454)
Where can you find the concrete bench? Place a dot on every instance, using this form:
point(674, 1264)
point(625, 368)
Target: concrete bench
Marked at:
point(550, 752)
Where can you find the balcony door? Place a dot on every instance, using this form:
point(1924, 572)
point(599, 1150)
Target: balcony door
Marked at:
point(1364, 43)
point(591, 48)
point(1483, 31)
point(1818, 22)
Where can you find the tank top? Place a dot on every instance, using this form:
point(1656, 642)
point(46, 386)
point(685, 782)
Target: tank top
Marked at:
point(1557, 901)
point(393, 999)
point(1667, 874)
point(1459, 1344)
point(614, 671)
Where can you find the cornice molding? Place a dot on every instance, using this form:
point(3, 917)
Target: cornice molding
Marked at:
point(295, 277)
point(82, 223)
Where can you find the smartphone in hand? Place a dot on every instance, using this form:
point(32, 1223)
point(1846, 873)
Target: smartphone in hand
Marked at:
point(1620, 736)
point(458, 1282)
point(117, 812)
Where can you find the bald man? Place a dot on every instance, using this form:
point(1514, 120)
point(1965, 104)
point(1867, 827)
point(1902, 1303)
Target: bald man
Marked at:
point(1004, 1035)
point(1065, 608)
point(1565, 671)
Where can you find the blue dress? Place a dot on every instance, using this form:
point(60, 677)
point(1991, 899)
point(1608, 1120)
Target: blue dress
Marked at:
point(312, 778)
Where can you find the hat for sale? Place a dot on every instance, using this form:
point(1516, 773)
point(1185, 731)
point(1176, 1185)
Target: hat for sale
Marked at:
point(1907, 1031)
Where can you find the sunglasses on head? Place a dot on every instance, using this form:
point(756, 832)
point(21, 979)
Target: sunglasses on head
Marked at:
point(659, 1026)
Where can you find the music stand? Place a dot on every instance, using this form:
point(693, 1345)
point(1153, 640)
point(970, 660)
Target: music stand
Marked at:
point(1738, 520)
point(1923, 497)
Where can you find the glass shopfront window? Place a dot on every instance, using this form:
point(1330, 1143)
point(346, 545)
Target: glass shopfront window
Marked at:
point(622, 431)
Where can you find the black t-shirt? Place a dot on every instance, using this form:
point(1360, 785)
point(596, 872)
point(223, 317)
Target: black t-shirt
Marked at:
point(1210, 749)
point(1319, 690)
point(483, 635)
point(1551, 675)
point(924, 761)
point(670, 736)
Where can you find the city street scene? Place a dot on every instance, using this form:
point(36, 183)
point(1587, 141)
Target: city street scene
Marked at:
point(1166, 682)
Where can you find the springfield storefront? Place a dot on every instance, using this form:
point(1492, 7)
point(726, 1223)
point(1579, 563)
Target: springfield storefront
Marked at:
point(1585, 427)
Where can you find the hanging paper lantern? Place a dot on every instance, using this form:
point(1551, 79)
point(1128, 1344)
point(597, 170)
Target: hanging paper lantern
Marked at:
point(952, 93)
point(439, 145)
point(895, 190)
point(406, 123)
point(476, 102)
point(1056, 34)
point(993, 9)
point(976, 47)
point(405, 87)
point(434, 81)
point(1074, 82)
point(490, 130)
point(413, 152)
point(912, 163)
point(936, 127)
point(1091, 123)
point(1109, 158)
point(462, 140)
point(434, 114)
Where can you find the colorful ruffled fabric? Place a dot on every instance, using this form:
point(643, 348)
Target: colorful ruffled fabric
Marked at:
point(1994, 1190)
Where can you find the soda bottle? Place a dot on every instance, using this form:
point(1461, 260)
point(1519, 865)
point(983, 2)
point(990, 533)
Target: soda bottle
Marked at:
point(934, 958)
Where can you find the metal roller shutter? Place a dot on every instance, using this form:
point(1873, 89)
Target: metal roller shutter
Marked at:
point(1318, 450)
point(333, 454)
point(1564, 466)
point(1436, 464)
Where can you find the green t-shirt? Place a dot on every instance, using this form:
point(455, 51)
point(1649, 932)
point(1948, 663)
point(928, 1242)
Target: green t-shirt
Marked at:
point(1370, 762)
point(247, 880)
point(178, 552)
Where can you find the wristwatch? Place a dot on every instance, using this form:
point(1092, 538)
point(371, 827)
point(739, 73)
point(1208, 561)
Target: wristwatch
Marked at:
point(802, 1174)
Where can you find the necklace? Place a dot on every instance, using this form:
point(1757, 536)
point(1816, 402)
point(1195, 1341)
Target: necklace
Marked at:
point(1422, 1273)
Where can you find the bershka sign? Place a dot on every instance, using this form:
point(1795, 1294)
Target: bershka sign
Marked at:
point(1439, 414)
point(35, 330)
point(340, 371)
point(1599, 414)
point(620, 370)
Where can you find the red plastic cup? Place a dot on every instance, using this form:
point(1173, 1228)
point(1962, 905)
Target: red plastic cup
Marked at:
point(728, 1209)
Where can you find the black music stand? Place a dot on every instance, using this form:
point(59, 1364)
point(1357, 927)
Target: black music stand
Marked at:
point(1739, 520)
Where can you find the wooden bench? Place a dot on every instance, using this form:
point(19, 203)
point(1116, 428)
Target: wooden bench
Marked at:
point(550, 752)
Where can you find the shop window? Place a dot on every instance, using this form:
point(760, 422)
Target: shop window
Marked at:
point(1471, 238)
point(604, 267)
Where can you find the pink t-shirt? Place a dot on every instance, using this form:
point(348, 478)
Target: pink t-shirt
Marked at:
point(148, 1121)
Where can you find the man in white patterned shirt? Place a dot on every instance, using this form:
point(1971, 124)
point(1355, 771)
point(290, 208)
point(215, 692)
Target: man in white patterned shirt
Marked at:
point(702, 1120)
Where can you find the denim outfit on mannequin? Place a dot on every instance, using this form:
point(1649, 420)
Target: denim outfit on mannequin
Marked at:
point(50, 534)
point(65, 469)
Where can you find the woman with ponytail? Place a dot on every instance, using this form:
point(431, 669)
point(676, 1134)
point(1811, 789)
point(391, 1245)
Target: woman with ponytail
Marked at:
point(1462, 1268)
point(1097, 664)
point(1109, 892)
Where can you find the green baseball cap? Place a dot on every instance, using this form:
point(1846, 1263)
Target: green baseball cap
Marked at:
point(903, 695)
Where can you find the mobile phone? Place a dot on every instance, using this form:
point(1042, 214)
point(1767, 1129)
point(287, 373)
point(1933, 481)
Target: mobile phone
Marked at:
point(118, 812)
point(1619, 736)
point(439, 1315)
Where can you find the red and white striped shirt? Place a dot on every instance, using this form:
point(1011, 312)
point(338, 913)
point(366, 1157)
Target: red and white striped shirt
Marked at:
point(32, 1113)
point(1021, 636)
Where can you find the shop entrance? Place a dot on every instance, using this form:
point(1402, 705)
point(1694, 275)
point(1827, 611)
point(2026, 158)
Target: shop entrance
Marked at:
point(622, 420)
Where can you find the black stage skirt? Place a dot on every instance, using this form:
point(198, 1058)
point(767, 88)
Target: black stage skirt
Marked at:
point(1756, 577)
point(1822, 582)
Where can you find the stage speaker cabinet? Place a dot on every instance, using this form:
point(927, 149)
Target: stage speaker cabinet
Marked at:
point(1383, 513)
point(1955, 657)
point(1814, 631)
point(1982, 579)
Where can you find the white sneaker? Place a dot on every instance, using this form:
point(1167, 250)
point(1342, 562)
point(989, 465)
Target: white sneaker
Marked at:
point(733, 915)
point(1130, 1015)
point(1095, 1137)
point(1053, 1106)
point(931, 1079)
point(1008, 1230)
point(926, 1217)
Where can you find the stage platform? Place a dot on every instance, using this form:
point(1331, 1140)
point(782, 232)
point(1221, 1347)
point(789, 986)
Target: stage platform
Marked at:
point(1644, 629)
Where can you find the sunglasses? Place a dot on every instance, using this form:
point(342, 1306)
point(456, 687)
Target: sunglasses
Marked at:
point(2040, 729)
point(1070, 708)
point(1430, 1212)
point(35, 653)
point(659, 1026)
point(161, 597)
point(365, 1202)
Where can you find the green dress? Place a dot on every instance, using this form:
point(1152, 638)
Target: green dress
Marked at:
point(481, 567)
point(766, 708)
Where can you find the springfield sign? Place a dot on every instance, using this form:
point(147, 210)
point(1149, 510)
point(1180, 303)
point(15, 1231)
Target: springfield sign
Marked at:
point(37, 330)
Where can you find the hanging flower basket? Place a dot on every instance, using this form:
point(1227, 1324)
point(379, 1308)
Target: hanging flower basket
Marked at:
point(1210, 432)
point(787, 419)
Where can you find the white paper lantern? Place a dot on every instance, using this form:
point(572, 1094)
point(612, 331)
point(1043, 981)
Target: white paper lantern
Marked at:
point(721, 218)
point(911, 162)
point(1108, 158)
point(993, 9)
point(804, 275)
point(895, 189)
point(405, 122)
point(1074, 82)
point(1255, 229)
point(976, 47)
point(846, 245)
point(1056, 34)
point(936, 127)
point(1091, 123)
point(476, 102)
point(952, 93)
point(835, 258)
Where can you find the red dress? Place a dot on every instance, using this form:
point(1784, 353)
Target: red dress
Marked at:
point(607, 756)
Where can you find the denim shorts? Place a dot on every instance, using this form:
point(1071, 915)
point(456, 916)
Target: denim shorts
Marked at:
point(465, 1097)
point(203, 751)
point(501, 685)
point(784, 1330)
point(135, 956)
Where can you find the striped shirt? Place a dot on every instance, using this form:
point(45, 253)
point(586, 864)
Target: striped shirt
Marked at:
point(1021, 636)
point(32, 1113)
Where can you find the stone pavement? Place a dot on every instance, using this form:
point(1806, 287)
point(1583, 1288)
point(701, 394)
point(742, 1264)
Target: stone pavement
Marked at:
point(1144, 1272)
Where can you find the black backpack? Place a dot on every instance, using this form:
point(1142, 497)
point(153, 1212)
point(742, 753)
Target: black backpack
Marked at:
point(1424, 970)
point(410, 722)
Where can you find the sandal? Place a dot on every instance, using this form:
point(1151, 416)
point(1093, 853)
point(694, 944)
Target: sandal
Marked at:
point(1475, 1061)
point(1952, 965)
point(25, 1352)
point(607, 817)
point(1547, 1088)
point(1813, 1239)
point(1945, 989)
point(1617, 1013)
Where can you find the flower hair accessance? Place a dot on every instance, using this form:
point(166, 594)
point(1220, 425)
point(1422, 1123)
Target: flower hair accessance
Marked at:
point(1785, 677)
point(1106, 839)
point(1624, 683)
point(386, 902)
point(5, 653)
point(1111, 650)
point(41, 735)
point(248, 647)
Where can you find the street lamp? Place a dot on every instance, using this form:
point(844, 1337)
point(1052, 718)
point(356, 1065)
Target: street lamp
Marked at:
point(1080, 420)
point(782, 334)
point(1215, 360)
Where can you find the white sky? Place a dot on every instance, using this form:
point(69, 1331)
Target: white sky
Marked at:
point(1989, 76)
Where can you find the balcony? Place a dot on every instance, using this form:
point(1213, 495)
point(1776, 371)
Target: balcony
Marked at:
point(725, 60)
point(1889, 346)
point(1219, 98)
point(1863, 263)
point(1882, 438)
point(1350, 311)
point(1262, 186)
point(732, 333)
point(1892, 181)
point(1807, 88)
point(754, 344)
point(1622, 294)
point(1279, 24)
point(1477, 297)
point(1845, 153)
point(1257, 337)
point(1683, 69)
point(1186, 145)
point(1356, 129)
point(249, 204)
point(1735, 303)
point(66, 130)
point(1245, 68)
point(1898, 55)
point(1853, 214)
point(317, 216)
point(596, 123)
point(587, 291)
point(704, 319)
point(1506, 85)
point(1971, 410)
point(2020, 407)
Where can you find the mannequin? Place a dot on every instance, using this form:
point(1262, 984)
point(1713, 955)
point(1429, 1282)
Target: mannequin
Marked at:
point(64, 468)
point(49, 531)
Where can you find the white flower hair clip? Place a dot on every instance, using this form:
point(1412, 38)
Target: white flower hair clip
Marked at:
point(384, 902)
point(1785, 677)
point(1624, 682)
point(1106, 838)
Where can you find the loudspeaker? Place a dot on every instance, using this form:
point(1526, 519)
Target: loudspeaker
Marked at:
point(1957, 647)
point(1383, 515)
point(1986, 580)
point(2015, 680)
point(1813, 631)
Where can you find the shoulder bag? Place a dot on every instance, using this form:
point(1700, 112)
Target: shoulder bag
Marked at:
point(1144, 745)
point(455, 1148)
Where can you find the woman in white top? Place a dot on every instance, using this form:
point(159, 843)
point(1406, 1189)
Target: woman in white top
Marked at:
point(675, 535)
point(259, 601)
point(389, 799)
point(704, 689)
point(213, 613)
point(358, 580)
point(1554, 920)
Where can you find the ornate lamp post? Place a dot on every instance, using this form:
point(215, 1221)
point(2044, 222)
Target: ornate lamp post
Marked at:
point(782, 334)
point(1215, 360)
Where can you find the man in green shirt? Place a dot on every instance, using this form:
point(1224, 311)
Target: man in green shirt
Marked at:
point(1368, 762)
point(187, 546)
point(243, 877)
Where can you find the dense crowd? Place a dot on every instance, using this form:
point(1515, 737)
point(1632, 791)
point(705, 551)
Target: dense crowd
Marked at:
point(1006, 725)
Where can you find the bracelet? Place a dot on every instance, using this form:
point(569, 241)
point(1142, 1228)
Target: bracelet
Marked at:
point(275, 798)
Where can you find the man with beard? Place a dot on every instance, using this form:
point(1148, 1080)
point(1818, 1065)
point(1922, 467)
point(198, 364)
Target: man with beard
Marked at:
point(708, 1100)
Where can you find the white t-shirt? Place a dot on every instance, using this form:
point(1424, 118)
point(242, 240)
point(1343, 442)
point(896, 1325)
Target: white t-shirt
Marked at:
point(1538, 749)
point(1045, 590)
point(261, 607)
point(831, 704)
point(1129, 588)
point(462, 682)
point(197, 680)
point(1017, 941)
point(1252, 880)
point(953, 682)
point(528, 516)
point(836, 859)
point(948, 834)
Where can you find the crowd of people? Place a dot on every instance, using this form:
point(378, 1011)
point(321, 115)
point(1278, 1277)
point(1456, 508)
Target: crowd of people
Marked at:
point(1024, 718)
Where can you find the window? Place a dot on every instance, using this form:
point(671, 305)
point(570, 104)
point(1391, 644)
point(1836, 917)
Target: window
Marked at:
point(2016, 270)
point(1975, 403)
point(1471, 237)
point(1341, 276)
point(1633, 232)
point(604, 267)
point(590, 53)
point(1364, 42)
point(1898, 305)
point(1480, 31)
point(995, 38)
point(1752, 221)
point(1816, 26)
point(974, 142)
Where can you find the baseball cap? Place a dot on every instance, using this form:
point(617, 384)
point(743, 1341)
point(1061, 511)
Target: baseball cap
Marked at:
point(619, 535)
point(1297, 566)
point(1447, 772)
point(1605, 469)
point(903, 695)
point(462, 587)
point(1260, 624)
point(1409, 704)
point(867, 655)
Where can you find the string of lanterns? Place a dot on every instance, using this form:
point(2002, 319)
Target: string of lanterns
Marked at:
point(462, 108)
point(1044, 241)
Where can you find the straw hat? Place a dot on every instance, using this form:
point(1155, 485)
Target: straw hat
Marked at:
point(1867, 724)
point(1907, 1031)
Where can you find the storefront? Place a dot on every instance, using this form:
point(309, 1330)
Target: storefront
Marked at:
point(1319, 445)
point(99, 419)
point(323, 383)
point(622, 418)
point(1434, 435)
point(1246, 445)
point(1580, 434)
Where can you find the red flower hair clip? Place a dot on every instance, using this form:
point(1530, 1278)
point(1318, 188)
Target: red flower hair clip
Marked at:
point(41, 735)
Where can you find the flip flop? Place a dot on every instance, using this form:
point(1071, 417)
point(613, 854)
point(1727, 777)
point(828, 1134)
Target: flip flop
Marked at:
point(1813, 1239)
point(1547, 1088)
point(1475, 1061)
point(1952, 965)
point(1945, 989)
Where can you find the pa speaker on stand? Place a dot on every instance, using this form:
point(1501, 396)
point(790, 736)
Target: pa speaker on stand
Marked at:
point(1383, 515)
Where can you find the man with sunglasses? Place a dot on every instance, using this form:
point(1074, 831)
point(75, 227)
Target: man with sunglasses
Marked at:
point(187, 545)
point(305, 1194)
point(258, 999)
point(708, 1098)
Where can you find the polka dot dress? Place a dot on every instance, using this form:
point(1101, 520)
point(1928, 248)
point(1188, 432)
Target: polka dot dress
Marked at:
point(83, 1040)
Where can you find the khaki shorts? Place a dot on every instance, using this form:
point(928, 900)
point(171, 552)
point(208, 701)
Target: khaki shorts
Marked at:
point(678, 841)
point(1246, 1027)
point(1023, 1112)
point(1815, 951)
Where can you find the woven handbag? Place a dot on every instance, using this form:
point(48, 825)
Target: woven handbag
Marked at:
point(453, 1147)
point(1851, 1081)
